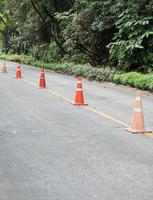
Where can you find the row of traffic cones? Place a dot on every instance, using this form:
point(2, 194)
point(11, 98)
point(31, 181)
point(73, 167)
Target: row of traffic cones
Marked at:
point(79, 98)
point(42, 83)
point(18, 71)
point(137, 124)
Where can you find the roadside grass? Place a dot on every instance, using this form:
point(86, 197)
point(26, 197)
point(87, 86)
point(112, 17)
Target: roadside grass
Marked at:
point(85, 70)
point(132, 79)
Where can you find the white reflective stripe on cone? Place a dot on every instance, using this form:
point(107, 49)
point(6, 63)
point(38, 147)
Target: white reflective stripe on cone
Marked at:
point(138, 98)
point(137, 110)
point(79, 89)
point(79, 81)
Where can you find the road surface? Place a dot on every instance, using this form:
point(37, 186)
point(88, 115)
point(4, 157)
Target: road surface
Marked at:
point(52, 150)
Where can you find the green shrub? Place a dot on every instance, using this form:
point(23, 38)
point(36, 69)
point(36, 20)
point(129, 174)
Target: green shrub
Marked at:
point(37, 52)
point(5, 50)
point(46, 53)
point(11, 51)
point(86, 70)
point(53, 53)
point(134, 79)
point(76, 57)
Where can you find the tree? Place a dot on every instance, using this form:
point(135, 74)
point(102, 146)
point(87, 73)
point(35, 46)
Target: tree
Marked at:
point(116, 32)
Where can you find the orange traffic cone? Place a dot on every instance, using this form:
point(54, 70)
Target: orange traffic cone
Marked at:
point(42, 82)
point(79, 99)
point(4, 68)
point(18, 72)
point(137, 125)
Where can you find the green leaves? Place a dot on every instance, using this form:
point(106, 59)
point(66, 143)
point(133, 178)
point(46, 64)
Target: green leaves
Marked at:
point(117, 32)
point(133, 37)
point(134, 79)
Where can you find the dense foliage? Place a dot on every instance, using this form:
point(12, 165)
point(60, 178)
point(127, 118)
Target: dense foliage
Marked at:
point(119, 33)
point(133, 79)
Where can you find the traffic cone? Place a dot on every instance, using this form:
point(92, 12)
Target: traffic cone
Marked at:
point(79, 99)
point(18, 72)
point(42, 82)
point(4, 68)
point(137, 125)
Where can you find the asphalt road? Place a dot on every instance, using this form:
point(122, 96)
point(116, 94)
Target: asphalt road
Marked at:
point(52, 150)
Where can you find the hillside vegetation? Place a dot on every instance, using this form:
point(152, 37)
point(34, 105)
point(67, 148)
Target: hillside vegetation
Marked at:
point(101, 33)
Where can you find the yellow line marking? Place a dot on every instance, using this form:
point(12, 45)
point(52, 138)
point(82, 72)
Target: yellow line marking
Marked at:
point(102, 114)
point(149, 135)
point(49, 91)
point(107, 116)
point(87, 108)
point(29, 83)
point(59, 95)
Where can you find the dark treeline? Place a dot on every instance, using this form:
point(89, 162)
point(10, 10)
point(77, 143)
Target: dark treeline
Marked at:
point(113, 32)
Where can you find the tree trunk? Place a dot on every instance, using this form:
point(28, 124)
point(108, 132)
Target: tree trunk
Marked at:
point(6, 40)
